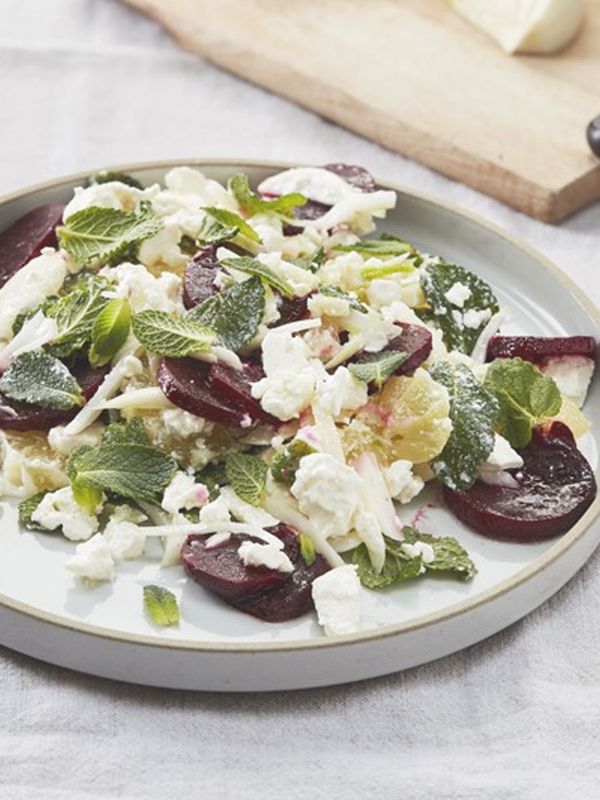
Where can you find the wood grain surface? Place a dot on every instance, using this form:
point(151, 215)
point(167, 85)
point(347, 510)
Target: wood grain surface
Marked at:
point(412, 75)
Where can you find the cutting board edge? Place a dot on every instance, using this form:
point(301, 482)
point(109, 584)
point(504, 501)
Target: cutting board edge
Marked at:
point(548, 204)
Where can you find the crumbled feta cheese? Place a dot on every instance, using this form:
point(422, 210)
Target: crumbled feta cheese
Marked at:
point(162, 249)
point(42, 277)
point(328, 492)
point(215, 513)
point(419, 549)
point(357, 210)
point(25, 472)
point(301, 280)
point(401, 482)
point(144, 291)
point(473, 318)
point(183, 492)
point(458, 294)
point(198, 190)
point(375, 329)
point(123, 534)
point(502, 458)
point(112, 194)
point(322, 343)
point(383, 292)
point(337, 596)
point(345, 271)
point(93, 560)
point(65, 443)
point(255, 554)
point(60, 510)
point(182, 423)
point(341, 392)
point(321, 305)
point(315, 183)
point(572, 375)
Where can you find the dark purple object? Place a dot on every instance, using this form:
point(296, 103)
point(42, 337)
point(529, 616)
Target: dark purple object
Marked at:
point(537, 348)
point(31, 418)
point(265, 593)
point(556, 486)
point(199, 276)
point(26, 238)
point(593, 135)
point(415, 341)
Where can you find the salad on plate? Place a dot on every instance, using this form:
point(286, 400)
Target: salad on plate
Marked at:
point(250, 383)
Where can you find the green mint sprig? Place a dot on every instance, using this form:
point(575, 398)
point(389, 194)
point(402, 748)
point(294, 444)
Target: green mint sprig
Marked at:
point(247, 476)
point(335, 291)
point(109, 331)
point(285, 463)
point(105, 234)
point(526, 396)
point(230, 224)
point(27, 507)
point(40, 379)
point(252, 204)
point(250, 266)
point(388, 246)
point(233, 314)
point(436, 280)
point(170, 335)
point(133, 432)
point(161, 605)
point(377, 367)
point(473, 412)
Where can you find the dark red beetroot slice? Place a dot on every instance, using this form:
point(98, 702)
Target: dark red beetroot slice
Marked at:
point(265, 593)
point(186, 383)
point(199, 276)
point(236, 386)
point(537, 348)
point(415, 341)
point(556, 486)
point(292, 309)
point(26, 238)
point(32, 418)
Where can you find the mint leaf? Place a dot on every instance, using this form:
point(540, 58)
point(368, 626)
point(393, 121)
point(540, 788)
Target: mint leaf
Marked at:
point(230, 221)
point(26, 509)
point(169, 335)
point(133, 432)
point(473, 412)
point(247, 476)
point(398, 566)
point(285, 463)
point(233, 314)
point(105, 234)
point(377, 367)
point(307, 550)
point(75, 315)
point(213, 476)
point(526, 396)
point(133, 471)
point(110, 331)
point(312, 262)
point(436, 280)
point(42, 380)
point(252, 204)
point(161, 605)
point(451, 560)
point(253, 267)
point(108, 176)
point(388, 246)
point(335, 291)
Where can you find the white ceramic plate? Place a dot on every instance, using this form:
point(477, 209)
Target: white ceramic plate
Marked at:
point(45, 613)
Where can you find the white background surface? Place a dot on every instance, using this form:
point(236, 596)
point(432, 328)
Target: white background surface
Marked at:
point(87, 83)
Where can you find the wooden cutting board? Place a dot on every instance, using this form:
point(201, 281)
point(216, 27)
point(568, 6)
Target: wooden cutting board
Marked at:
point(415, 77)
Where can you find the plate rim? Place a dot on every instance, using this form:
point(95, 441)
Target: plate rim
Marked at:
point(539, 564)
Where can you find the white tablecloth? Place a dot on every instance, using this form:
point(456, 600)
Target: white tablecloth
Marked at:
point(86, 83)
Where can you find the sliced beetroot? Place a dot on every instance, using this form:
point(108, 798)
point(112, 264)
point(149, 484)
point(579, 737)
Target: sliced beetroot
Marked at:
point(236, 386)
point(292, 309)
point(32, 418)
point(27, 237)
point(211, 391)
point(555, 487)
point(538, 348)
point(415, 341)
point(268, 594)
point(199, 277)
point(357, 176)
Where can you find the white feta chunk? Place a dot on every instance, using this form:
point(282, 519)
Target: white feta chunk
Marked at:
point(27, 471)
point(401, 482)
point(473, 318)
point(60, 510)
point(321, 305)
point(572, 375)
point(458, 294)
point(215, 513)
point(341, 393)
point(337, 597)
point(328, 493)
point(123, 534)
point(65, 443)
point(502, 458)
point(301, 280)
point(182, 423)
point(183, 493)
point(112, 194)
point(416, 549)
point(93, 560)
point(142, 289)
point(162, 249)
point(255, 554)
